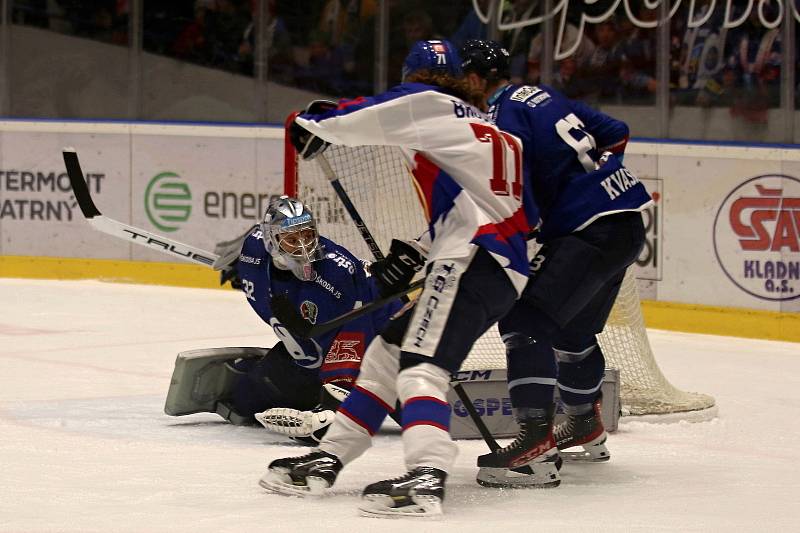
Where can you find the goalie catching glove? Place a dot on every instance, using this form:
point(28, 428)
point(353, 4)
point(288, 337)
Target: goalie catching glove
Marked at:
point(395, 272)
point(306, 143)
point(305, 426)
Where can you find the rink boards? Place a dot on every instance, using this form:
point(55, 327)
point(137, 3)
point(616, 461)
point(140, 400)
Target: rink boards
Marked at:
point(724, 231)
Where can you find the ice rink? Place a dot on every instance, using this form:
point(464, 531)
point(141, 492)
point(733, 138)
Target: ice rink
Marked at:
point(85, 445)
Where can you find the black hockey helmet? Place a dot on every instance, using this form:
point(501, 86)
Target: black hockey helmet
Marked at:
point(488, 59)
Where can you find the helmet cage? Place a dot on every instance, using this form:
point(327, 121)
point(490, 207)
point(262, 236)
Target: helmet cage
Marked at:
point(290, 236)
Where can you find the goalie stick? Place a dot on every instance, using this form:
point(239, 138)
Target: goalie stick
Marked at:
point(189, 253)
point(120, 229)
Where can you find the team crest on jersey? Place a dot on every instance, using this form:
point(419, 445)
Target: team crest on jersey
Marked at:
point(309, 310)
point(348, 347)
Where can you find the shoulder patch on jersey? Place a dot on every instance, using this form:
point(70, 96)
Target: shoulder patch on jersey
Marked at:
point(524, 92)
point(309, 310)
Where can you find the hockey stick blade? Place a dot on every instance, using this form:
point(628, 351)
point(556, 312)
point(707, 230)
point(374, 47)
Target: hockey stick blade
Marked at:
point(124, 231)
point(284, 311)
point(78, 183)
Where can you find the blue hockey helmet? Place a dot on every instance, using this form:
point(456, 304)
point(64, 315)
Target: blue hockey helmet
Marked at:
point(488, 59)
point(434, 56)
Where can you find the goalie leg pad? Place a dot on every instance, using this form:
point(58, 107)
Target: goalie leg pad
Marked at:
point(204, 379)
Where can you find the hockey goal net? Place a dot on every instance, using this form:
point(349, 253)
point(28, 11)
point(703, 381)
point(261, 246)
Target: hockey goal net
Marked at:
point(378, 183)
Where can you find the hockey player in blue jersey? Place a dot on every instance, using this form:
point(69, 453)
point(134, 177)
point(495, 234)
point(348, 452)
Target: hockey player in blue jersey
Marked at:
point(469, 175)
point(285, 255)
point(591, 228)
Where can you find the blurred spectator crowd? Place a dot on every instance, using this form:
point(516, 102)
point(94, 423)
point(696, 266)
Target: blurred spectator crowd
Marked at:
point(328, 46)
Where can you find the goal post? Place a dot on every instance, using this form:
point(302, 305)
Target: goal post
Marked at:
point(379, 183)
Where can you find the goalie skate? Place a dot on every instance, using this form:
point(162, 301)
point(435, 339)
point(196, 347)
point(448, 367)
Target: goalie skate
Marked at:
point(418, 494)
point(586, 431)
point(312, 474)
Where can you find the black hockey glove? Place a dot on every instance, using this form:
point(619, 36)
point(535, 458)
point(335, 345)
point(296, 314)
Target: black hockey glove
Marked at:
point(232, 275)
point(395, 272)
point(306, 143)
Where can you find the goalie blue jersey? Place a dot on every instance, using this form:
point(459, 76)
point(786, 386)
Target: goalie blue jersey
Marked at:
point(340, 285)
point(562, 142)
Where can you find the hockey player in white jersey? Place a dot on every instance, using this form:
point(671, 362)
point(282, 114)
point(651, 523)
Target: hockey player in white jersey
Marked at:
point(468, 174)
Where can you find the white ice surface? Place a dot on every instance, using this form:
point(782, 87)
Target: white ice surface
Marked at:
point(85, 446)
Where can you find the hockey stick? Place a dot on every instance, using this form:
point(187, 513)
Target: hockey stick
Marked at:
point(124, 231)
point(476, 418)
point(351, 209)
point(482, 429)
point(355, 216)
point(285, 312)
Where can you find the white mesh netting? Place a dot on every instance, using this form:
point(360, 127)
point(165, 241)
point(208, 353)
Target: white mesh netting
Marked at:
point(378, 183)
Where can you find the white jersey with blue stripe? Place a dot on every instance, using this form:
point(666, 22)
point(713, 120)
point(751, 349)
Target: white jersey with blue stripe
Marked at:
point(467, 172)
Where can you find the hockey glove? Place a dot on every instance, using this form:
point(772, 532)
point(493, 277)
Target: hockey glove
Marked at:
point(305, 426)
point(232, 275)
point(306, 143)
point(395, 272)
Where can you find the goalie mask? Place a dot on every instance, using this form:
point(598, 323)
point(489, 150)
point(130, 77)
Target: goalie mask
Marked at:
point(290, 236)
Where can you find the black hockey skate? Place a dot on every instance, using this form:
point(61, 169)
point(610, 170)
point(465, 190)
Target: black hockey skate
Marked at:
point(417, 494)
point(310, 474)
point(584, 430)
point(531, 461)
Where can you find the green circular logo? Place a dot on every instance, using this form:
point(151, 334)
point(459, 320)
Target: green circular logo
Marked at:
point(167, 201)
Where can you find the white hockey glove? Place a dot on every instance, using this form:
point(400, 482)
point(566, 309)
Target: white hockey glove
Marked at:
point(307, 426)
